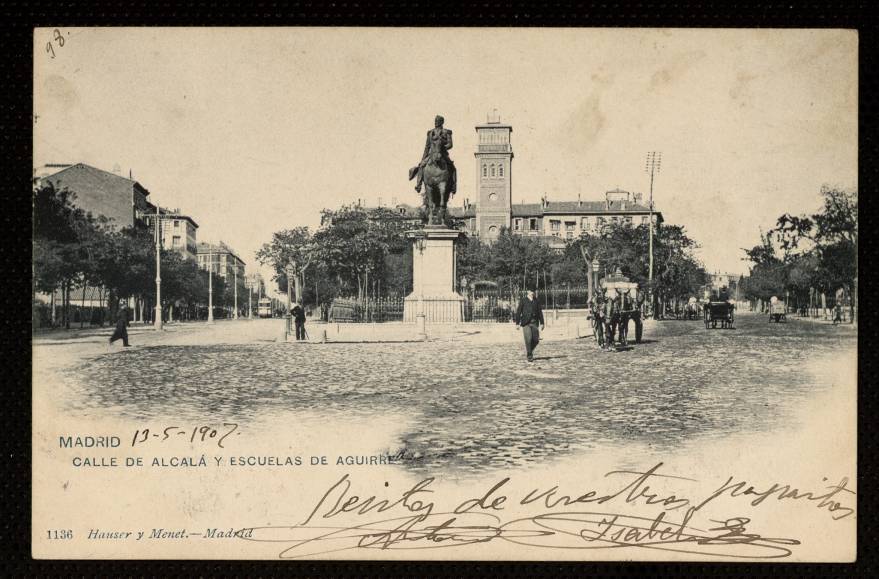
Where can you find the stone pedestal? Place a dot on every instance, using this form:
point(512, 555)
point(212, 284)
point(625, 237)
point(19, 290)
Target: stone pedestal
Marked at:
point(433, 277)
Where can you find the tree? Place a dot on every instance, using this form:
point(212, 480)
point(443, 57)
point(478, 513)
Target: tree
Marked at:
point(129, 267)
point(68, 244)
point(831, 236)
point(767, 275)
point(357, 251)
point(677, 273)
point(287, 247)
point(518, 259)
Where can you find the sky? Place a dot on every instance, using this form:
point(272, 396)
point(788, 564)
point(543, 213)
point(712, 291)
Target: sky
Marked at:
point(251, 131)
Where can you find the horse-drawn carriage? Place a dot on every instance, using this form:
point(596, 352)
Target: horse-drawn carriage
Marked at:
point(620, 305)
point(714, 312)
point(777, 310)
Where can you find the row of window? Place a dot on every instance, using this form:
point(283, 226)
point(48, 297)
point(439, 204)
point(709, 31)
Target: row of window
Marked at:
point(493, 137)
point(586, 223)
point(494, 170)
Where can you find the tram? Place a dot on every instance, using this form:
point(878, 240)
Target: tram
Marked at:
point(264, 308)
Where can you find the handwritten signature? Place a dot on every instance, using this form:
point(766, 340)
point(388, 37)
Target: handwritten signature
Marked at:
point(562, 530)
point(417, 524)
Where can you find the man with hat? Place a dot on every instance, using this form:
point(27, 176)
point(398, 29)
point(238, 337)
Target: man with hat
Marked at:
point(529, 315)
point(121, 331)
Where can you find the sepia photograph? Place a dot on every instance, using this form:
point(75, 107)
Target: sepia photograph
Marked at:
point(541, 294)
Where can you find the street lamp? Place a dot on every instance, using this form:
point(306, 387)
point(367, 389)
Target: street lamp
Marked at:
point(290, 271)
point(596, 265)
point(235, 264)
point(248, 280)
point(211, 285)
point(158, 319)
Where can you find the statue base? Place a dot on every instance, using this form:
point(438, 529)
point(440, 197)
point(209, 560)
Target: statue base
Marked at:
point(433, 277)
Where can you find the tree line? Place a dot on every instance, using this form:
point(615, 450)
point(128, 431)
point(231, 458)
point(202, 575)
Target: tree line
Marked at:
point(363, 252)
point(75, 250)
point(809, 258)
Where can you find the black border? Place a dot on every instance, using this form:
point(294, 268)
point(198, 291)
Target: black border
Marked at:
point(18, 18)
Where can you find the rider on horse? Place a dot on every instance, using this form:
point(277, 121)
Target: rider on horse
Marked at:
point(439, 139)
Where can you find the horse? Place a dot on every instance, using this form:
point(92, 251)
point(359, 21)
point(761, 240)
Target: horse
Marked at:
point(437, 182)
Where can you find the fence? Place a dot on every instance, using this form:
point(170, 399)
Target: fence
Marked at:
point(491, 305)
point(386, 309)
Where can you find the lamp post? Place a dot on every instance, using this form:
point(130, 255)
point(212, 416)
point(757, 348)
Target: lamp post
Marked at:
point(291, 271)
point(235, 271)
point(158, 319)
point(596, 265)
point(249, 282)
point(211, 285)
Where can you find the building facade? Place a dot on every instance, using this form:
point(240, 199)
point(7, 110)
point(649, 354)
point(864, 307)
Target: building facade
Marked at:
point(554, 220)
point(178, 231)
point(494, 191)
point(100, 192)
point(222, 260)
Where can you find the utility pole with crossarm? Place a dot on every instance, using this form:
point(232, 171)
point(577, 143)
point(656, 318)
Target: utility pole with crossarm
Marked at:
point(654, 160)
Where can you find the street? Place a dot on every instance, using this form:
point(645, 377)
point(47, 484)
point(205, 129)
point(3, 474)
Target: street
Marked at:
point(464, 403)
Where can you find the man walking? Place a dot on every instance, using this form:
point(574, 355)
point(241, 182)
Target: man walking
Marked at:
point(121, 331)
point(529, 316)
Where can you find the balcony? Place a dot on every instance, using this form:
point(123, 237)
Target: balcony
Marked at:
point(494, 148)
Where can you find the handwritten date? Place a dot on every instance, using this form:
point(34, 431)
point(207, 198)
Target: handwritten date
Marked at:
point(200, 433)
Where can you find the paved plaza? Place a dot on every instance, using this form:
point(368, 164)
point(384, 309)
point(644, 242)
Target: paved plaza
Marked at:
point(465, 399)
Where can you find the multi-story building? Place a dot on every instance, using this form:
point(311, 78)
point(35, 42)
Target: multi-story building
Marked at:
point(99, 192)
point(178, 230)
point(562, 220)
point(719, 280)
point(222, 260)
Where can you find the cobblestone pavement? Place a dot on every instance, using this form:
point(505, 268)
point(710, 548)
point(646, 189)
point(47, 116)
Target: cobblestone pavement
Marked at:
point(480, 406)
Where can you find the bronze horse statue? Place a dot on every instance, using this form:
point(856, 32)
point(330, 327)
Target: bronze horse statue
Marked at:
point(437, 185)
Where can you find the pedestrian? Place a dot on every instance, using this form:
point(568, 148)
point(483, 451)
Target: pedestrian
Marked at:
point(529, 315)
point(637, 315)
point(121, 331)
point(625, 305)
point(837, 313)
point(299, 320)
point(597, 305)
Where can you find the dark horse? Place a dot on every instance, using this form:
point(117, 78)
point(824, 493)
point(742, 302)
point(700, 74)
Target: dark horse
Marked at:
point(437, 183)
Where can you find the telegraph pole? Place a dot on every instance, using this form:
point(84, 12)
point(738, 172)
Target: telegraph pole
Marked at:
point(157, 323)
point(654, 159)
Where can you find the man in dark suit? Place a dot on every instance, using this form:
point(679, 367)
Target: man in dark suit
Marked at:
point(529, 315)
point(121, 331)
point(299, 319)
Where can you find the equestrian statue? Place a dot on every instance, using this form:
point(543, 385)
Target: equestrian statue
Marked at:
point(436, 172)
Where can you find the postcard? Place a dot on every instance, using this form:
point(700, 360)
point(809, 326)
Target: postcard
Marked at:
point(445, 294)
